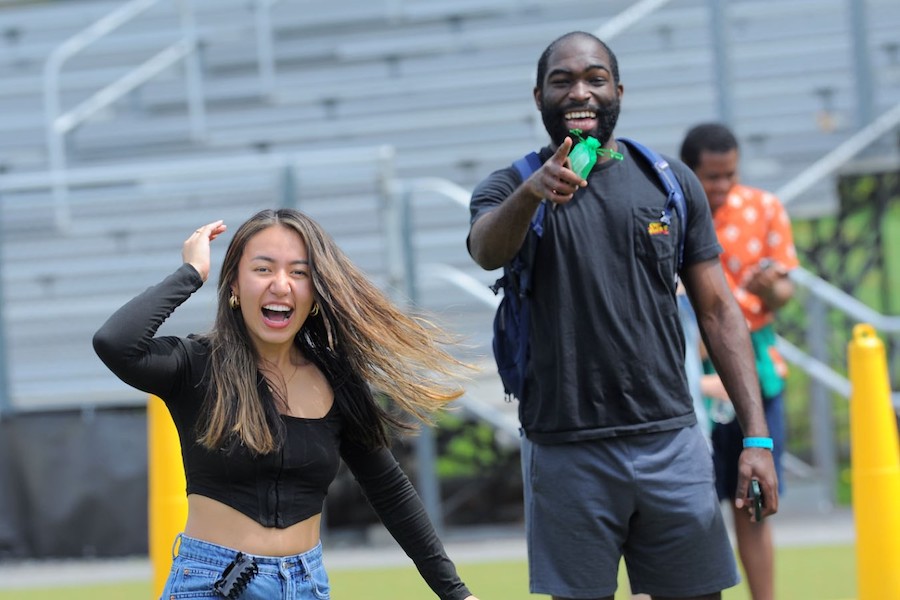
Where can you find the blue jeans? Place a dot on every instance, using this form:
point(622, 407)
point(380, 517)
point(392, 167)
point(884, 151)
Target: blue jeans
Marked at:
point(199, 564)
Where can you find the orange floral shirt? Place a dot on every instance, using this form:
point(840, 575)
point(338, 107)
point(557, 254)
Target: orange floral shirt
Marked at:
point(752, 225)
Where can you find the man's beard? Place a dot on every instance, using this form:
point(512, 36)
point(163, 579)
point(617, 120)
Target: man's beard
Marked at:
point(607, 117)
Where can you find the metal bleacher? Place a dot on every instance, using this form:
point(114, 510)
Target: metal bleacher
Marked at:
point(364, 98)
point(124, 231)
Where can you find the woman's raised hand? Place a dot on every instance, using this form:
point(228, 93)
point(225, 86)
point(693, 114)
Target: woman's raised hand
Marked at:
point(196, 248)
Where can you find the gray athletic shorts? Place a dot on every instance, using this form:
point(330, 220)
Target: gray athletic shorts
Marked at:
point(650, 498)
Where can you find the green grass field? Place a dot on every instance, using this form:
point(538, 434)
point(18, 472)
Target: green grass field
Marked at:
point(804, 573)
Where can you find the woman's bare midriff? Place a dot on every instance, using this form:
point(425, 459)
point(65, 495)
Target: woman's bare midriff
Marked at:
point(214, 522)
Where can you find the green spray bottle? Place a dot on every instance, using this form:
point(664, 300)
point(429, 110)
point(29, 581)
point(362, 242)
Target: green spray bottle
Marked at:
point(583, 155)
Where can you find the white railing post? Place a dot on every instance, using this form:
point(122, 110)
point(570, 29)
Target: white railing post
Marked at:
point(820, 413)
point(56, 150)
point(193, 77)
point(265, 51)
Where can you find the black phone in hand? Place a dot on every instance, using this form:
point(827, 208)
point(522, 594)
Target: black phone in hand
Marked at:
point(756, 500)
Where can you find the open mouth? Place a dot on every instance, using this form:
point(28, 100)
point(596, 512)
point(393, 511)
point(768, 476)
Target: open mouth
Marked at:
point(585, 120)
point(276, 314)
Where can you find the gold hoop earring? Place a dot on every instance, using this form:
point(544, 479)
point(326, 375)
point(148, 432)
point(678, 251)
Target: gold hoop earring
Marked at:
point(315, 310)
point(234, 302)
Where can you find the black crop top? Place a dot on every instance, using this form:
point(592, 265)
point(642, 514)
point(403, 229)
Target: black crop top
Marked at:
point(278, 489)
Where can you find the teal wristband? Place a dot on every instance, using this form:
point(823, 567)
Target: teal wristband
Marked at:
point(758, 442)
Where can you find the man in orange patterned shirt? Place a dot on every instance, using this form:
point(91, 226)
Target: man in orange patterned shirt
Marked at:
point(755, 234)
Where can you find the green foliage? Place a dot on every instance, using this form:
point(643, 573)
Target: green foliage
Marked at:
point(844, 493)
point(857, 250)
point(467, 448)
point(892, 258)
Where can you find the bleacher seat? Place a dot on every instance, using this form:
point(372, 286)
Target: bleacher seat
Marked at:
point(447, 83)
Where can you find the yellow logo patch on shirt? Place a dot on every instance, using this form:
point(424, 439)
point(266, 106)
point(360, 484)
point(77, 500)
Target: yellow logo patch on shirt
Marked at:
point(657, 228)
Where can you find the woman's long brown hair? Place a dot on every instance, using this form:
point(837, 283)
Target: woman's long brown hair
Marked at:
point(361, 341)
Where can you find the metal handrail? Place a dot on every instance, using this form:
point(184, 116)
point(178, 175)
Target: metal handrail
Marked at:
point(840, 156)
point(58, 125)
point(105, 175)
point(841, 300)
point(463, 281)
point(450, 190)
point(816, 369)
point(628, 17)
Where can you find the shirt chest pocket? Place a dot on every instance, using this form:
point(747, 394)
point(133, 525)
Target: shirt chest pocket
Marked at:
point(654, 237)
point(655, 255)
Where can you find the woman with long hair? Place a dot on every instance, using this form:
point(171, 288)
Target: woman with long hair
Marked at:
point(269, 401)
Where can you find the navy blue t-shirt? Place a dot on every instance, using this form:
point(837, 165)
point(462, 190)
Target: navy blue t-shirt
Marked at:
point(607, 348)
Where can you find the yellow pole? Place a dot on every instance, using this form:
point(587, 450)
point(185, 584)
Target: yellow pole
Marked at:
point(167, 503)
point(875, 462)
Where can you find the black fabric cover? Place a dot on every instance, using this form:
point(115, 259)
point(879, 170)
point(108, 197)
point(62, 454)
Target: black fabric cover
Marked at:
point(74, 484)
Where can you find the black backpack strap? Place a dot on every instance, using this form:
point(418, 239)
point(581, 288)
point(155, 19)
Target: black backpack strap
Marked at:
point(675, 200)
point(527, 257)
point(521, 262)
point(528, 164)
point(511, 321)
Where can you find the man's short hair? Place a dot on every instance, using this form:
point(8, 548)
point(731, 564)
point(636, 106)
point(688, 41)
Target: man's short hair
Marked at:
point(706, 137)
point(545, 56)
